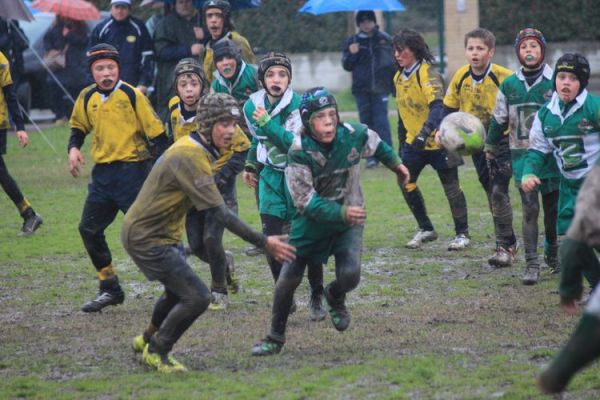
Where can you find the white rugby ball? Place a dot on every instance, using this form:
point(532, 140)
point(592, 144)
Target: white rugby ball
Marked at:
point(462, 132)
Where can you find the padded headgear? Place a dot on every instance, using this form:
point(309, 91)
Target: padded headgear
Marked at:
point(530, 33)
point(313, 100)
point(215, 107)
point(102, 51)
point(576, 64)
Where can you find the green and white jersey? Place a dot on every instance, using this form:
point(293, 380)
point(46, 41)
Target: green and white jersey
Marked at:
point(573, 138)
point(516, 106)
point(285, 119)
point(324, 179)
point(240, 86)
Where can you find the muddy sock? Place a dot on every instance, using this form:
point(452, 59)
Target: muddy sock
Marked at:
point(582, 348)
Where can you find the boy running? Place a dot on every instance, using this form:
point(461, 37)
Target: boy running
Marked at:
point(9, 105)
point(520, 97)
point(273, 118)
point(323, 176)
point(419, 93)
point(181, 179)
point(127, 135)
point(473, 89)
point(205, 234)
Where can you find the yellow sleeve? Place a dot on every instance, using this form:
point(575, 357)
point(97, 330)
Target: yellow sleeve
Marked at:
point(452, 97)
point(151, 123)
point(433, 87)
point(240, 141)
point(79, 118)
point(5, 77)
point(207, 65)
point(247, 53)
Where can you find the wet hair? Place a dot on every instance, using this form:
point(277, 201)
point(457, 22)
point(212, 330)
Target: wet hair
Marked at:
point(415, 42)
point(486, 36)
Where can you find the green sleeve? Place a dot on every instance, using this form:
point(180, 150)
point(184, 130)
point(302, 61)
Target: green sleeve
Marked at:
point(534, 162)
point(277, 135)
point(495, 134)
point(387, 156)
point(320, 209)
point(251, 161)
point(574, 255)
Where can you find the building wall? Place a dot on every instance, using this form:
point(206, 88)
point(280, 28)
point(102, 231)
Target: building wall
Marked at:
point(461, 16)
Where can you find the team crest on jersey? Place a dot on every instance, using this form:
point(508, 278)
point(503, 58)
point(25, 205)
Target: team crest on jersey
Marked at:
point(548, 95)
point(353, 155)
point(131, 39)
point(585, 126)
point(548, 130)
point(122, 104)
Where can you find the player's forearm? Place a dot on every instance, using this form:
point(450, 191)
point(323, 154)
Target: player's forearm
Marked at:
point(238, 227)
point(495, 134)
point(13, 106)
point(76, 139)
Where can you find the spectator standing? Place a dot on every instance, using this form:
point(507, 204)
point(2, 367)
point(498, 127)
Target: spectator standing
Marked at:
point(12, 44)
point(131, 38)
point(71, 37)
point(369, 56)
point(177, 36)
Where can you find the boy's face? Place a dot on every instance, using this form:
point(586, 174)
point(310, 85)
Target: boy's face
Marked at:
point(215, 22)
point(366, 26)
point(478, 54)
point(222, 133)
point(277, 81)
point(226, 66)
point(567, 86)
point(323, 125)
point(189, 88)
point(404, 56)
point(530, 52)
point(105, 73)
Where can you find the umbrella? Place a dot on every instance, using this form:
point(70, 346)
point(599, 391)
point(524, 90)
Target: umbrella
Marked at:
point(317, 7)
point(15, 9)
point(79, 10)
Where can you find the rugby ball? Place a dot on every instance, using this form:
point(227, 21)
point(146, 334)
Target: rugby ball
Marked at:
point(462, 132)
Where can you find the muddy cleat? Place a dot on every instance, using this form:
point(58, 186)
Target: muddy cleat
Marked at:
point(532, 274)
point(218, 302)
point(139, 344)
point(460, 242)
point(421, 237)
point(267, 347)
point(31, 222)
point(504, 257)
point(551, 257)
point(162, 362)
point(104, 299)
point(253, 251)
point(233, 284)
point(337, 311)
point(317, 312)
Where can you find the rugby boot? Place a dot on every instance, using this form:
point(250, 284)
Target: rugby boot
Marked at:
point(218, 302)
point(164, 363)
point(504, 256)
point(532, 273)
point(421, 237)
point(460, 242)
point(267, 347)
point(551, 257)
point(317, 312)
point(31, 222)
point(110, 294)
point(337, 311)
point(139, 344)
point(233, 284)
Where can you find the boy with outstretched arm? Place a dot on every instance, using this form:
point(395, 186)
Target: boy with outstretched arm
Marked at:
point(323, 177)
point(181, 179)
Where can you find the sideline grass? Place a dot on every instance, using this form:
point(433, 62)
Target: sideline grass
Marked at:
point(425, 324)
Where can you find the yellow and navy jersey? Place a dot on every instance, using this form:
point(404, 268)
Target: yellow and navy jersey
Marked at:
point(5, 80)
point(180, 179)
point(121, 123)
point(414, 94)
point(476, 97)
point(179, 126)
point(182, 128)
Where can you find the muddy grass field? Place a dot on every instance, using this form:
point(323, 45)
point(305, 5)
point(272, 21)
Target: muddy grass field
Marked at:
point(426, 324)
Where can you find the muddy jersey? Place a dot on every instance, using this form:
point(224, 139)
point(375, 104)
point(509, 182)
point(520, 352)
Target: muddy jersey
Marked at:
point(121, 122)
point(181, 178)
point(517, 103)
point(324, 179)
point(475, 97)
point(414, 94)
point(240, 86)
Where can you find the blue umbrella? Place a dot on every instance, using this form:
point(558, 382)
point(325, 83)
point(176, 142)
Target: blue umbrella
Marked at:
point(317, 7)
